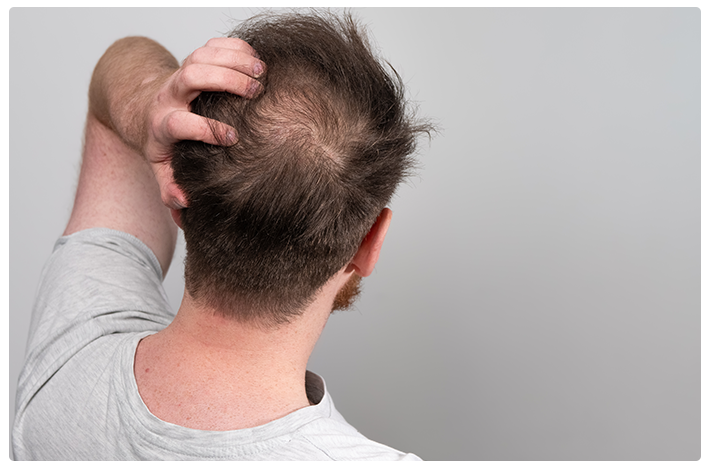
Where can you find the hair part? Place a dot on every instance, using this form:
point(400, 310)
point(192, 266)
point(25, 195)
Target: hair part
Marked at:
point(320, 154)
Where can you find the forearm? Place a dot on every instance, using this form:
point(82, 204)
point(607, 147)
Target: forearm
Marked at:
point(117, 190)
point(139, 106)
point(124, 83)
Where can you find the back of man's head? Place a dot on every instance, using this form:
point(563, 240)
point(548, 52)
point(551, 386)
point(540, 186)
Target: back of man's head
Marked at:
point(320, 153)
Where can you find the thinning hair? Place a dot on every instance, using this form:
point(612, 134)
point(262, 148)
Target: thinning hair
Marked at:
point(320, 154)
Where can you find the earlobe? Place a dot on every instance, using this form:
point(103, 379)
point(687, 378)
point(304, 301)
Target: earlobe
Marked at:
point(366, 257)
point(176, 216)
point(171, 194)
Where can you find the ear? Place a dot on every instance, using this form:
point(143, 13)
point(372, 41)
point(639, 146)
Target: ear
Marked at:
point(366, 257)
point(176, 217)
point(171, 194)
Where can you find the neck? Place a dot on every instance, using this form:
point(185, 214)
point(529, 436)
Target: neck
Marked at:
point(206, 371)
point(266, 354)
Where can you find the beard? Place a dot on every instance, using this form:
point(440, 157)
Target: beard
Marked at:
point(347, 295)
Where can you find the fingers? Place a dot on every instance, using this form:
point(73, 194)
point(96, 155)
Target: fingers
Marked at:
point(223, 64)
point(184, 125)
point(190, 80)
point(231, 43)
point(230, 53)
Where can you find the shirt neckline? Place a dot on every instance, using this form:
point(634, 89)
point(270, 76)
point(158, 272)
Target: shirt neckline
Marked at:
point(149, 429)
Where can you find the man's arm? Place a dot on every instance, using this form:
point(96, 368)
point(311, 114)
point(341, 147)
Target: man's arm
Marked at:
point(117, 190)
point(138, 108)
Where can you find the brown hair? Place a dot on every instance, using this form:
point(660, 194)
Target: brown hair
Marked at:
point(320, 153)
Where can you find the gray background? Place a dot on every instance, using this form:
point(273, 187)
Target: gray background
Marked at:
point(538, 296)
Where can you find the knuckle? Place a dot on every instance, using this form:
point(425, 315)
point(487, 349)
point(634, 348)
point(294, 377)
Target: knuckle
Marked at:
point(232, 43)
point(213, 42)
point(188, 75)
point(201, 55)
point(242, 45)
point(172, 124)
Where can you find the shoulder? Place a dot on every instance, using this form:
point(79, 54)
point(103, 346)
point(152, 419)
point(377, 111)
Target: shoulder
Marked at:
point(341, 441)
point(334, 438)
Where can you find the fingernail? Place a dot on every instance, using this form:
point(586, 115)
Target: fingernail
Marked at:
point(254, 89)
point(231, 137)
point(258, 69)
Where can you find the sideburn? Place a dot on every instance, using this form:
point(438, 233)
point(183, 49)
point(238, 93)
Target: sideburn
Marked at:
point(347, 295)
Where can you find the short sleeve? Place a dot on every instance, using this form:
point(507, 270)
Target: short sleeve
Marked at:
point(96, 282)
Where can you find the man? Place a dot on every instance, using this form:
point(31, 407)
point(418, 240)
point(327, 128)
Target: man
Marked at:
point(279, 179)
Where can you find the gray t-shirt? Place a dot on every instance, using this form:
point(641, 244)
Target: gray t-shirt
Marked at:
point(99, 294)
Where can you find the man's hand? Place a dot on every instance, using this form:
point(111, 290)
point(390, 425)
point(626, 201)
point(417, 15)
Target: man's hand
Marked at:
point(223, 64)
point(139, 106)
point(139, 92)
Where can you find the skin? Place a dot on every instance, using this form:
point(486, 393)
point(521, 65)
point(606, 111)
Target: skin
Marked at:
point(203, 371)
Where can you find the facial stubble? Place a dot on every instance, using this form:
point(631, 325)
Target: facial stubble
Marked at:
point(347, 295)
